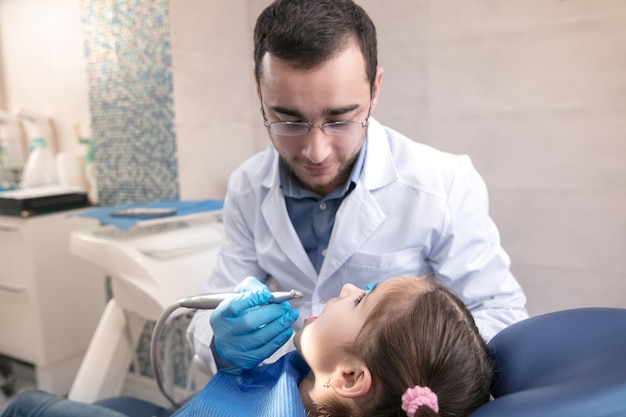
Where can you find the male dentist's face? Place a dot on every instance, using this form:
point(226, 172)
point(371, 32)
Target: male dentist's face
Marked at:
point(337, 91)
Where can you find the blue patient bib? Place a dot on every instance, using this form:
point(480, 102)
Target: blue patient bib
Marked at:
point(265, 391)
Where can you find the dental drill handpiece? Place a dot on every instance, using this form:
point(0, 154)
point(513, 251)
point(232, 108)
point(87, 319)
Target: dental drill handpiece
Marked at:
point(211, 301)
point(200, 302)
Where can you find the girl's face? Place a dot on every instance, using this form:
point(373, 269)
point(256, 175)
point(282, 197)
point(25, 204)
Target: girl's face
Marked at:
point(322, 340)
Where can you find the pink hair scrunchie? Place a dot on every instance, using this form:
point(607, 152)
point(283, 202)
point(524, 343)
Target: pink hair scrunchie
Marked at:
point(418, 396)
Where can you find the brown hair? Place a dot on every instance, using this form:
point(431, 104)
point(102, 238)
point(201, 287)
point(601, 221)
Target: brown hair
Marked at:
point(308, 33)
point(420, 335)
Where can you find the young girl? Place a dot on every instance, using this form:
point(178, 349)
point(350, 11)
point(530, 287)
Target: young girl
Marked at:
point(409, 347)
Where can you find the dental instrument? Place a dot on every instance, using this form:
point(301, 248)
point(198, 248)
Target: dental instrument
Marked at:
point(144, 212)
point(202, 302)
point(211, 301)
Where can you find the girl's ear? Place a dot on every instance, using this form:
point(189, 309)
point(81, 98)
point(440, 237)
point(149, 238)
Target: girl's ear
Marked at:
point(352, 380)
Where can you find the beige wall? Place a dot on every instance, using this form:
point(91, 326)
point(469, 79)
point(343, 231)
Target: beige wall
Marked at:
point(43, 69)
point(212, 93)
point(2, 100)
point(533, 90)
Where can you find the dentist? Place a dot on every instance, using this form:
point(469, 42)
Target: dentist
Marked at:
point(337, 197)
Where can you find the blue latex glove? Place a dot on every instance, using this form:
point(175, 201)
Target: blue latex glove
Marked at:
point(247, 330)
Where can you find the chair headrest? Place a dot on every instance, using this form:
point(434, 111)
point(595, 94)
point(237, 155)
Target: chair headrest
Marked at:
point(564, 364)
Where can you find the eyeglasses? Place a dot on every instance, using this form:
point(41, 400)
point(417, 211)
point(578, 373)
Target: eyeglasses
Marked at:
point(348, 128)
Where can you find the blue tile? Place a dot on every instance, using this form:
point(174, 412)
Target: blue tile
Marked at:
point(129, 66)
point(127, 50)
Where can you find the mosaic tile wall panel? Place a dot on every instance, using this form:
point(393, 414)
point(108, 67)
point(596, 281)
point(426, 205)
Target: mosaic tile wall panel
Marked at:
point(127, 50)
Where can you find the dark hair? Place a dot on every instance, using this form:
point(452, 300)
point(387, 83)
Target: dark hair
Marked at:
point(420, 335)
point(307, 33)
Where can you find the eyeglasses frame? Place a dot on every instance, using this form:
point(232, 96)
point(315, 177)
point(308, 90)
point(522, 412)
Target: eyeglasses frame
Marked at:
point(309, 125)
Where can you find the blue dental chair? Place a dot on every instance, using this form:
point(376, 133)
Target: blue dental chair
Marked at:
point(570, 363)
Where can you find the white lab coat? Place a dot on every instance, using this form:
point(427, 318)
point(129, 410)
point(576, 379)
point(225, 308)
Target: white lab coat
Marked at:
point(415, 210)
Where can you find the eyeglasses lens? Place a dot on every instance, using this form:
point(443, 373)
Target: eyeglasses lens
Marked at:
point(301, 129)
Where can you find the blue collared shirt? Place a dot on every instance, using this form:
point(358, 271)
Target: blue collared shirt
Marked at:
point(312, 215)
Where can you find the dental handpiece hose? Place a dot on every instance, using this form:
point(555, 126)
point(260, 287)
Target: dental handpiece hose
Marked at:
point(199, 302)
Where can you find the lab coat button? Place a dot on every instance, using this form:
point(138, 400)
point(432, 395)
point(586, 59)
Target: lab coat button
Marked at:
point(324, 252)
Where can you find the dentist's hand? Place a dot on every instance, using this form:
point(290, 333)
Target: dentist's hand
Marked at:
point(246, 329)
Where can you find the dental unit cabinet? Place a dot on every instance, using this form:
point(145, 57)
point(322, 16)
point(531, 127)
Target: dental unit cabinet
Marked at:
point(50, 301)
point(151, 265)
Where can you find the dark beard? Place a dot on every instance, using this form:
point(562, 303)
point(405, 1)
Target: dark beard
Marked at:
point(341, 177)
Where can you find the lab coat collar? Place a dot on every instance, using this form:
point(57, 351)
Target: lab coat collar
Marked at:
point(352, 230)
point(272, 179)
point(379, 169)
